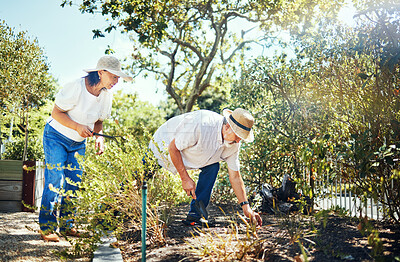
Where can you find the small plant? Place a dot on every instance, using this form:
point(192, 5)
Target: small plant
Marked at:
point(303, 252)
point(323, 215)
point(228, 246)
point(366, 228)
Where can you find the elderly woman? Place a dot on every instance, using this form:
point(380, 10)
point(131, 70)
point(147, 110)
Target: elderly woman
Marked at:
point(80, 109)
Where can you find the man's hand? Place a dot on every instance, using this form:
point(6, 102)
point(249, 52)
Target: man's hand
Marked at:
point(187, 182)
point(254, 216)
point(189, 186)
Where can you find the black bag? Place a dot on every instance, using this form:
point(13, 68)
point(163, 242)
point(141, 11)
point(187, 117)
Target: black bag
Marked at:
point(268, 199)
point(278, 200)
point(288, 189)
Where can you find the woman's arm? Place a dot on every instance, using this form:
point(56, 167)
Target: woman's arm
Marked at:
point(65, 120)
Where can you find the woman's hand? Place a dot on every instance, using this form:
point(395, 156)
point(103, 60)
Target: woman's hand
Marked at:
point(84, 131)
point(99, 145)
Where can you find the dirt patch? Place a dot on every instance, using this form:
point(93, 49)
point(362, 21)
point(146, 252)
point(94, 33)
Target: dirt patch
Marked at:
point(20, 240)
point(333, 238)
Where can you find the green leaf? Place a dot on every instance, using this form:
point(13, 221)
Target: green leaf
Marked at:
point(363, 76)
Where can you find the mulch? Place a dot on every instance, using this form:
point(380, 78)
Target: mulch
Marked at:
point(334, 238)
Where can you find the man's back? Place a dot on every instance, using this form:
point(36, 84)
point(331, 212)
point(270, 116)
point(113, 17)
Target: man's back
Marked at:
point(197, 135)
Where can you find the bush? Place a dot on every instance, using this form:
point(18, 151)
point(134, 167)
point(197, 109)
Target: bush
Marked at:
point(110, 193)
point(14, 150)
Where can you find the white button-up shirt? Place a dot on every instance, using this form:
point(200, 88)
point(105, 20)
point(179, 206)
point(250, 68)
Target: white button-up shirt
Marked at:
point(198, 137)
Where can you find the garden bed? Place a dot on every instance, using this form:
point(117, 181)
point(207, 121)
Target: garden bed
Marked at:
point(331, 238)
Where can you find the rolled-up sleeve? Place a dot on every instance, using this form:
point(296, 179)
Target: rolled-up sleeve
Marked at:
point(233, 161)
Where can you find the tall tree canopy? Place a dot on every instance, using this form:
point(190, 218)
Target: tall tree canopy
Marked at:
point(25, 82)
point(191, 44)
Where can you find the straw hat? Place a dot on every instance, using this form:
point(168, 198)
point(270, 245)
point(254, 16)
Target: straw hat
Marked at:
point(112, 65)
point(241, 122)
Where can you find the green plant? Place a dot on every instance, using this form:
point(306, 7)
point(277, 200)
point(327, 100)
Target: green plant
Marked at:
point(26, 84)
point(322, 215)
point(366, 228)
point(14, 150)
point(327, 112)
point(303, 252)
point(110, 194)
point(229, 246)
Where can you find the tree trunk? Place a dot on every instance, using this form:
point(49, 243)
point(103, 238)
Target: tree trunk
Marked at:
point(24, 156)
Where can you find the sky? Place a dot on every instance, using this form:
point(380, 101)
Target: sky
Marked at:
point(65, 35)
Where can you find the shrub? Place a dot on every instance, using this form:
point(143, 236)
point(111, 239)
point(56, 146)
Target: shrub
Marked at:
point(14, 150)
point(110, 193)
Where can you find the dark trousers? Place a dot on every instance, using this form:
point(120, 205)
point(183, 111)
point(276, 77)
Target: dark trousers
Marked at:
point(204, 187)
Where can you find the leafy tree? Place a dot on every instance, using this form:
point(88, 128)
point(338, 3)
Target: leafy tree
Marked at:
point(190, 44)
point(290, 127)
point(15, 149)
point(137, 117)
point(331, 111)
point(25, 83)
point(359, 78)
point(382, 36)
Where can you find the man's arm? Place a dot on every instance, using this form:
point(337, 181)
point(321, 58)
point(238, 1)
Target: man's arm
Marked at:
point(187, 182)
point(238, 187)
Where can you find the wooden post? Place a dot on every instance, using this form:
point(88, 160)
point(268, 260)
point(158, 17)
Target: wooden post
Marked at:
point(28, 186)
point(312, 185)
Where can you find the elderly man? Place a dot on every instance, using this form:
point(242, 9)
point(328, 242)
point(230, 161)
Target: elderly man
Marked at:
point(200, 140)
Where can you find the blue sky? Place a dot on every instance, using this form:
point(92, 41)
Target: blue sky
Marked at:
point(66, 37)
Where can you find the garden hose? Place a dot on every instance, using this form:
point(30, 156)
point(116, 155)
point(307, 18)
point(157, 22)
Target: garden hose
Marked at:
point(144, 201)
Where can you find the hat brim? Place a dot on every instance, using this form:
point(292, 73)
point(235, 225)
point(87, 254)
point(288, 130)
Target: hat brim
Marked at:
point(250, 135)
point(117, 73)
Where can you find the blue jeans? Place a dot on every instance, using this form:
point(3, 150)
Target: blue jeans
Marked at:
point(204, 187)
point(58, 151)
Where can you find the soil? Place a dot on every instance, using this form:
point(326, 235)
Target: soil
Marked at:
point(281, 238)
point(20, 240)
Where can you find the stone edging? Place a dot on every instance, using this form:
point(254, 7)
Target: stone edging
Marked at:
point(105, 252)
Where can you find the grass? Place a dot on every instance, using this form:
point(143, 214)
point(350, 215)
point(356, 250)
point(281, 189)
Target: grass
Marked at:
point(235, 243)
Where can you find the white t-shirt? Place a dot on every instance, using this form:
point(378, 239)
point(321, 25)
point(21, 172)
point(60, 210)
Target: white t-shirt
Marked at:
point(82, 107)
point(198, 137)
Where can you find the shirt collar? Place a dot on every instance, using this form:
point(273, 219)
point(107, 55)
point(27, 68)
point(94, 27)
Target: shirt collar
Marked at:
point(219, 137)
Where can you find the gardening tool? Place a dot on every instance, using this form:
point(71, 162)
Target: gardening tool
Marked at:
point(108, 136)
point(199, 205)
point(201, 209)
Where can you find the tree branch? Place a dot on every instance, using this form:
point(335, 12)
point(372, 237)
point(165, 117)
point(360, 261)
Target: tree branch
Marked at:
point(188, 45)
